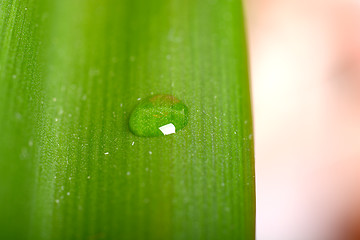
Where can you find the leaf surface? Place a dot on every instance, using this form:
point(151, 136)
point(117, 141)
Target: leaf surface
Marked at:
point(71, 72)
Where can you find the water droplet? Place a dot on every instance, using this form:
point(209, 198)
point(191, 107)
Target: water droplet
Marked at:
point(18, 116)
point(68, 193)
point(158, 115)
point(106, 153)
point(128, 173)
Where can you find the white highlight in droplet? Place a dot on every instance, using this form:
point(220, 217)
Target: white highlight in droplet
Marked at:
point(167, 129)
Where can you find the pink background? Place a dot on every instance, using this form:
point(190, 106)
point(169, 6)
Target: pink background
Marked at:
point(305, 66)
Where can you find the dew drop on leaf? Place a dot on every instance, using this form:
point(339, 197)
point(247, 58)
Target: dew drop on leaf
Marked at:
point(158, 115)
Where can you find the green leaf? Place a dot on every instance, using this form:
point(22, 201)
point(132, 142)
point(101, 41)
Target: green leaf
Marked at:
point(72, 71)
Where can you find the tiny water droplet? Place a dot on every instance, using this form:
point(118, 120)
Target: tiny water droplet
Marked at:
point(158, 115)
point(18, 116)
point(128, 173)
point(68, 193)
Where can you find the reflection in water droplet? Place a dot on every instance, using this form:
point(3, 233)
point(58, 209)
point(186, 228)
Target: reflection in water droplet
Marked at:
point(158, 115)
point(168, 129)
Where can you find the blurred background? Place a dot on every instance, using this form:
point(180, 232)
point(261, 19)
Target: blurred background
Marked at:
point(305, 65)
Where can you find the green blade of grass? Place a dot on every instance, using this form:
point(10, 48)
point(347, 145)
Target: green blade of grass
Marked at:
point(71, 72)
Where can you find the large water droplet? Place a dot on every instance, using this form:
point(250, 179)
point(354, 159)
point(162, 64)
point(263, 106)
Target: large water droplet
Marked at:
point(158, 115)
